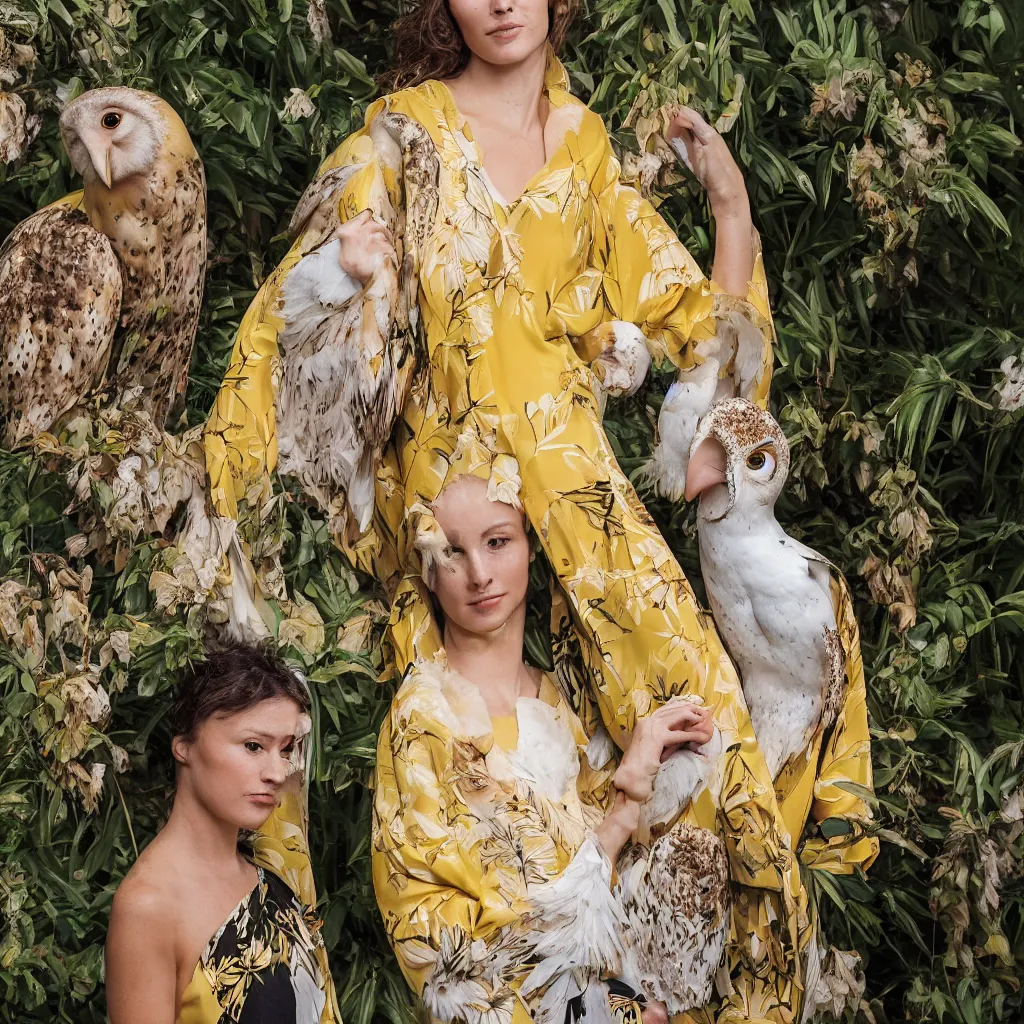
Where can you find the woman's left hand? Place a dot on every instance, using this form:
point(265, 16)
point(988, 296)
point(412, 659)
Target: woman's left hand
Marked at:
point(704, 151)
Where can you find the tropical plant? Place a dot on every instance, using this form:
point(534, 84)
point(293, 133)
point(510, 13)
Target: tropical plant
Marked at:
point(882, 150)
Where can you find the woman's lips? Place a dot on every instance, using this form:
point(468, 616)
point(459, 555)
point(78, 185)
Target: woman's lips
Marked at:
point(505, 31)
point(485, 604)
point(263, 799)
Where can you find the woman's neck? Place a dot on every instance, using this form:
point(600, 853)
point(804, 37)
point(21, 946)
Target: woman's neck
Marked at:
point(493, 662)
point(207, 839)
point(510, 95)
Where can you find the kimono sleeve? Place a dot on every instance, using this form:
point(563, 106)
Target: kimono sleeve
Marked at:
point(241, 434)
point(721, 344)
point(650, 279)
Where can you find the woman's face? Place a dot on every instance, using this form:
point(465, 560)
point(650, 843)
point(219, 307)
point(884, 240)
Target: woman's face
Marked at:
point(488, 568)
point(236, 764)
point(502, 32)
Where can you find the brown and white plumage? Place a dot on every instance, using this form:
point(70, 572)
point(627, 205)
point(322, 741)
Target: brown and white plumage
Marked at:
point(61, 284)
point(108, 282)
point(348, 350)
point(776, 602)
point(676, 903)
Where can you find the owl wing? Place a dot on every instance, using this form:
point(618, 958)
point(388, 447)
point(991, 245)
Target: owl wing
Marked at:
point(844, 774)
point(844, 763)
point(729, 363)
point(62, 283)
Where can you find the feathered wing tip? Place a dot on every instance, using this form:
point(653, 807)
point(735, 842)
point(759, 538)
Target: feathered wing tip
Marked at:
point(314, 289)
point(677, 909)
point(685, 774)
point(833, 982)
point(428, 539)
point(575, 924)
point(244, 620)
point(625, 359)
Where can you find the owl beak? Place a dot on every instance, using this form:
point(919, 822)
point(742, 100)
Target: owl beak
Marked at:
point(99, 156)
point(108, 172)
point(707, 468)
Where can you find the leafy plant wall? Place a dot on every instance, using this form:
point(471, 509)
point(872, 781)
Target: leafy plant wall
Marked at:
point(882, 153)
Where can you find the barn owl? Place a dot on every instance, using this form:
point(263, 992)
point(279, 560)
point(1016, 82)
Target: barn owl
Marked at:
point(106, 284)
point(348, 349)
point(774, 599)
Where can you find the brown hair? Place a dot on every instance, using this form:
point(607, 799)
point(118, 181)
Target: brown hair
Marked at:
point(428, 43)
point(233, 678)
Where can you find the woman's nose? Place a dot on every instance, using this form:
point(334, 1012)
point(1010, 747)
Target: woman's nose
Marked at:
point(275, 770)
point(479, 575)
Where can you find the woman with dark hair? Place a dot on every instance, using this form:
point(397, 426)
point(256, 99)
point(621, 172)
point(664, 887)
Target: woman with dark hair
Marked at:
point(469, 278)
point(205, 927)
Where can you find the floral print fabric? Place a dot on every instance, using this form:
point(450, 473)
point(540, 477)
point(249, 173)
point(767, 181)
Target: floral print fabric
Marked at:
point(263, 964)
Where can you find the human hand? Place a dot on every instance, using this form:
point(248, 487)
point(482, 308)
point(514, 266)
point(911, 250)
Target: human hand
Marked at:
point(702, 726)
point(619, 824)
point(705, 153)
point(674, 725)
point(654, 1013)
point(364, 242)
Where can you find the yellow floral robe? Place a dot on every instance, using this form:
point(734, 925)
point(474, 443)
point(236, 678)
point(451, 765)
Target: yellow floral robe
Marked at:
point(512, 298)
point(475, 821)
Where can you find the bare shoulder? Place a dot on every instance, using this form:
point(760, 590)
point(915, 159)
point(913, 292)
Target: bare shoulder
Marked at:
point(148, 895)
point(142, 945)
point(141, 896)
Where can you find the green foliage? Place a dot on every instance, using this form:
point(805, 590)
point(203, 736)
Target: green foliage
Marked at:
point(882, 153)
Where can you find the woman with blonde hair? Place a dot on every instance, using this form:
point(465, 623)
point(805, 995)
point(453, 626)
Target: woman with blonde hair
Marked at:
point(469, 277)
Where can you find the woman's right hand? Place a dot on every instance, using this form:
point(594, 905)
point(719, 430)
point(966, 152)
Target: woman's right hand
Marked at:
point(363, 242)
point(654, 739)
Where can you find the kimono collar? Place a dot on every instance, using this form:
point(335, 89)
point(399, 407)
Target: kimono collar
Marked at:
point(555, 76)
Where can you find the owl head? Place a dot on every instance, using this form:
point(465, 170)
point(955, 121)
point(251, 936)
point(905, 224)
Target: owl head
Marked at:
point(739, 458)
point(116, 133)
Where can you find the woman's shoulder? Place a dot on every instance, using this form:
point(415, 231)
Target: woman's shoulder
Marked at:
point(435, 700)
point(426, 102)
point(149, 896)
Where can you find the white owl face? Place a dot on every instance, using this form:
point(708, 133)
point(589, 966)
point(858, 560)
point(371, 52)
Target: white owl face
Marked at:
point(113, 134)
point(739, 458)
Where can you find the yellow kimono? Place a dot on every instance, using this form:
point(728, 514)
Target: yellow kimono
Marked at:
point(495, 894)
point(514, 303)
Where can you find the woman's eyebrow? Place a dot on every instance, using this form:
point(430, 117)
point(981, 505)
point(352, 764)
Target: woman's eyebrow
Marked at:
point(269, 736)
point(504, 524)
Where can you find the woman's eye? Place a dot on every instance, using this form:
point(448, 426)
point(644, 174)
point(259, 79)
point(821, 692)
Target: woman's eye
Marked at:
point(253, 747)
point(497, 542)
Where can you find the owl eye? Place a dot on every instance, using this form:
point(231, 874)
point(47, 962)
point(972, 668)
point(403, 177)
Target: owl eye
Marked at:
point(761, 462)
point(110, 120)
